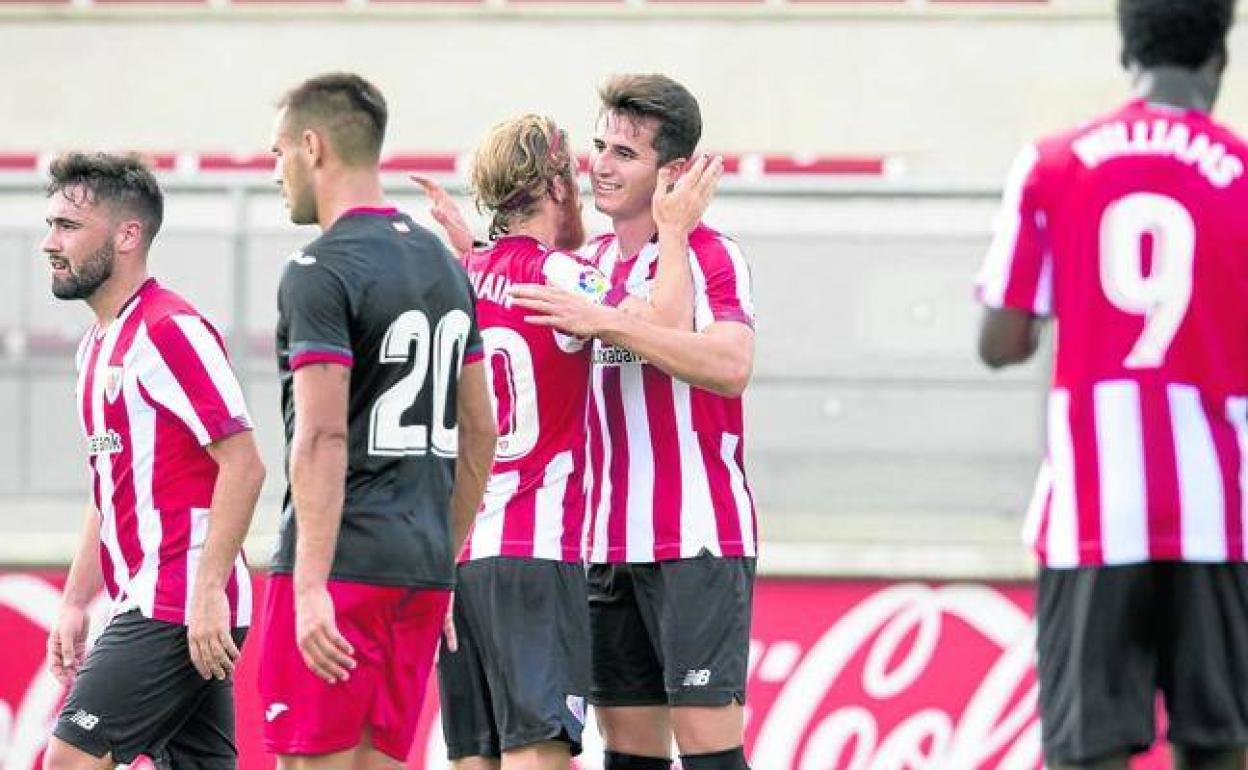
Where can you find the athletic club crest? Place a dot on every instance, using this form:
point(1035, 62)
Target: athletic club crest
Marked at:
point(112, 383)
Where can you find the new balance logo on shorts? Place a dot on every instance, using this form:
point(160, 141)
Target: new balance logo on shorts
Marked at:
point(697, 677)
point(84, 720)
point(274, 711)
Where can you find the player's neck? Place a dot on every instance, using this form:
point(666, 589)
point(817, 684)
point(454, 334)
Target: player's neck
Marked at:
point(634, 233)
point(1176, 87)
point(108, 300)
point(539, 228)
point(349, 190)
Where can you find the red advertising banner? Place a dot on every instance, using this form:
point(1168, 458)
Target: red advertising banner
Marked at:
point(844, 675)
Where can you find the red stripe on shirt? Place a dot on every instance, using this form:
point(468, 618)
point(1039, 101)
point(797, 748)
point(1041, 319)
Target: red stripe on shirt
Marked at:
point(613, 404)
point(1082, 420)
point(1226, 443)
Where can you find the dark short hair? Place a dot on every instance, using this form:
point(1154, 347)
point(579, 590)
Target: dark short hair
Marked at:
point(349, 109)
point(1177, 33)
point(122, 181)
point(663, 100)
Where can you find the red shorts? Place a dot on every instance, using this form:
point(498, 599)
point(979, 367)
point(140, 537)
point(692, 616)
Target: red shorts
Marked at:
point(394, 630)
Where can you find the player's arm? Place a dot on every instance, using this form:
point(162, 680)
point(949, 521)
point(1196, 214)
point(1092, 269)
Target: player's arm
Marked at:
point(240, 475)
point(67, 643)
point(1008, 336)
point(1015, 284)
point(720, 358)
point(318, 470)
point(677, 208)
point(478, 437)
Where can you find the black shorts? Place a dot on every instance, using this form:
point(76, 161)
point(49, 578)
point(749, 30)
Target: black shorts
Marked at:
point(1109, 638)
point(137, 693)
point(674, 633)
point(521, 673)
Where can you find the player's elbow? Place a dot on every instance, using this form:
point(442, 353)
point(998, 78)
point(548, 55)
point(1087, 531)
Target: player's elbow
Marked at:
point(733, 377)
point(997, 354)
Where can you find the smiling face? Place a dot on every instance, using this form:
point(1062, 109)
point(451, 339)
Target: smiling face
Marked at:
point(79, 243)
point(292, 171)
point(624, 166)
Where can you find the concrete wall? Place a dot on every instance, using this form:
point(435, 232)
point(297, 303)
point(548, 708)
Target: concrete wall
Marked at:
point(951, 90)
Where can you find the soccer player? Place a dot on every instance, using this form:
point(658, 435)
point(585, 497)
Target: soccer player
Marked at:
point(672, 525)
point(515, 677)
point(176, 474)
point(390, 436)
point(1130, 231)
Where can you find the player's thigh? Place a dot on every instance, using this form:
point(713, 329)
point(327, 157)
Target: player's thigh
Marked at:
point(338, 760)
point(548, 755)
point(534, 621)
point(477, 763)
point(206, 739)
point(1097, 656)
point(468, 727)
point(704, 606)
point(1204, 671)
point(626, 670)
point(303, 715)
point(412, 642)
point(60, 755)
point(135, 689)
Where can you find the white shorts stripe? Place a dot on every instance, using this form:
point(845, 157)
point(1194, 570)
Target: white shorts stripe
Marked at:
point(1062, 546)
point(640, 524)
point(697, 510)
point(1237, 415)
point(1203, 505)
point(1120, 461)
point(548, 524)
point(728, 452)
point(487, 533)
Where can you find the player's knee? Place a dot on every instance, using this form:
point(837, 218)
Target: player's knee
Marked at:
point(730, 759)
point(62, 756)
point(644, 732)
point(705, 730)
point(1189, 758)
point(616, 760)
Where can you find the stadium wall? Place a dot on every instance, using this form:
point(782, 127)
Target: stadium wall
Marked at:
point(948, 89)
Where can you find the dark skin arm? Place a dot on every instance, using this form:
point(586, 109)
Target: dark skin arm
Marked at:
point(1008, 336)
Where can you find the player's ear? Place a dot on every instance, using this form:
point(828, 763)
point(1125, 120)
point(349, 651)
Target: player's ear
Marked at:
point(128, 236)
point(313, 147)
point(675, 168)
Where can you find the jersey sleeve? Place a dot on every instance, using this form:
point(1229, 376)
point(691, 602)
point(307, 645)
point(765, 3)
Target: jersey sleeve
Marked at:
point(564, 271)
point(1018, 271)
point(190, 376)
point(722, 287)
point(474, 347)
point(316, 306)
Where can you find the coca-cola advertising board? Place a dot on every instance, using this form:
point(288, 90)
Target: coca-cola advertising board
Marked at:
point(844, 675)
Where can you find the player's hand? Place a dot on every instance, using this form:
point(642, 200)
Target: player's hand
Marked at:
point(569, 313)
point(212, 648)
point(448, 626)
point(325, 651)
point(679, 203)
point(447, 214)
point(67, 644)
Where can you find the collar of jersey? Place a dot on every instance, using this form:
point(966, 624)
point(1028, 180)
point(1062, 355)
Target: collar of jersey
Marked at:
point(370, 211)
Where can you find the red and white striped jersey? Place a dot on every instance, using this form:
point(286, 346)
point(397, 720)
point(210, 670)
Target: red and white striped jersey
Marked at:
point(667, 459)
point(534, 505)
point(1130, 231)
point(154, 388)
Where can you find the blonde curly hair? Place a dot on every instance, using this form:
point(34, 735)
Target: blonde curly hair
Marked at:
point(516, 167)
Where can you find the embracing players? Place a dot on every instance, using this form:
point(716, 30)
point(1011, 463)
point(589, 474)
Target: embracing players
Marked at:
point(515, 677)
point(1130, 231)
point(390, 436)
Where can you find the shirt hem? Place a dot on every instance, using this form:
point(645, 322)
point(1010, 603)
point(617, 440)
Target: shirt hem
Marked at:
point(374, 580)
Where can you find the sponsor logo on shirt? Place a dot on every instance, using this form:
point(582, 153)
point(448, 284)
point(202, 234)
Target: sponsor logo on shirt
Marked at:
point(697, 677)
point(299, 258)
point(610, 355)
point(576, 704)
point(592, 283)
point(274, 711)
point(84, 720)
point(104, 443)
